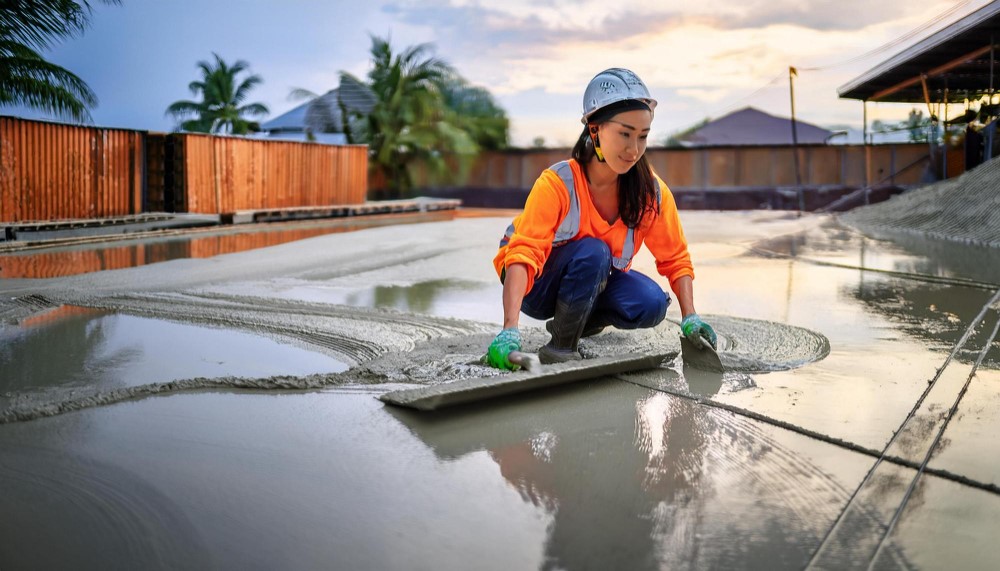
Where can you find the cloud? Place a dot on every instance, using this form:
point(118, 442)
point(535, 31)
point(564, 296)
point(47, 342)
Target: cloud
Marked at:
point(706, 95)
point(558, 45)
point(699, 58)
point(536, 56)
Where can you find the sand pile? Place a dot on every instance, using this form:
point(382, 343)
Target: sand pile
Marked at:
point(965, 209)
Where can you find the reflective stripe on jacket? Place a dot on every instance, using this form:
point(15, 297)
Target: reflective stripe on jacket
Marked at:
point(560, 209)
point(570, 225)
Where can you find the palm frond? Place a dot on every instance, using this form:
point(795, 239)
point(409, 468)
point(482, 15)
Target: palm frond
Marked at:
point(42, 23)
point(254, 110)
point(221, 108)
point(29, 80)
point(301, 94)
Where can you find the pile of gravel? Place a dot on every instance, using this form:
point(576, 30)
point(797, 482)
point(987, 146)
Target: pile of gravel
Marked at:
point(964, 209)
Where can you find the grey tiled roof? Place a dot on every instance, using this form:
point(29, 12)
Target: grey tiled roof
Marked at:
point(750, 126)
point(355, 96)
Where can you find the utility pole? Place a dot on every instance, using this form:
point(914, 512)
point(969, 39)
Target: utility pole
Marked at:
point(792, 72)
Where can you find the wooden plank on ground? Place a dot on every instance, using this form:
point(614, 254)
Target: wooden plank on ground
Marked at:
point(480, 389)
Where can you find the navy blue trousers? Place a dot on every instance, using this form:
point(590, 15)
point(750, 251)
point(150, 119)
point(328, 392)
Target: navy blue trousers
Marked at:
point(579, 274)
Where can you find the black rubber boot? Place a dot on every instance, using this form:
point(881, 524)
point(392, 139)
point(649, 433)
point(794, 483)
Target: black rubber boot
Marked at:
point(567, 327)
point(589, 330)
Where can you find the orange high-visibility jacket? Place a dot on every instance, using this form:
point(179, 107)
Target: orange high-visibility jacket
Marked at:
point(548, 203)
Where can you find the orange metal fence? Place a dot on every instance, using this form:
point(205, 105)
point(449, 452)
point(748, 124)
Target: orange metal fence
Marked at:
point(50, 171)
point(722, 167)
point(214, 174)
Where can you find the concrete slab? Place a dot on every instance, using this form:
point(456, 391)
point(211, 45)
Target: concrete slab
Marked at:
point(602, 474)
point(480, 389)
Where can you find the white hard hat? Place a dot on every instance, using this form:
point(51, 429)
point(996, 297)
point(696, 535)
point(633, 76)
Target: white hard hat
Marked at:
point(611, 86)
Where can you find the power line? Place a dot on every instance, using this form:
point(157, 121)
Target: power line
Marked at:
point(875, 51)
point(749, 96)
point(894, 42)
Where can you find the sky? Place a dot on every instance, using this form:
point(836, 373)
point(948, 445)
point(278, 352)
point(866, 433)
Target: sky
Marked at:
point(699, 59)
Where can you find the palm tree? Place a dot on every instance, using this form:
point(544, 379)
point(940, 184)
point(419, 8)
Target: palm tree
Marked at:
point(474, 110)
point(26, 78)
point(221, 109)
point(413, 109)
point(408, 122)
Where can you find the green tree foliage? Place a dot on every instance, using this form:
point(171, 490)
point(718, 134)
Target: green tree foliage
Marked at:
point(223, 107)
point(677, 138)
point(423, 113)
point(917, 125)
point(474, 110)
point(26, 78)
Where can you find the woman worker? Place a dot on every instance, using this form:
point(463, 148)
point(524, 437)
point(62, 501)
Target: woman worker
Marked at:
point(567, 256)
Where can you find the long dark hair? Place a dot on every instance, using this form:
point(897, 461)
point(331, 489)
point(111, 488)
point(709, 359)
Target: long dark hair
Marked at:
point(636, 188)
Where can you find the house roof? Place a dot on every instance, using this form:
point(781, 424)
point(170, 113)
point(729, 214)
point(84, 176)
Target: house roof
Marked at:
point(294, 120)
point(957, 57)
point(354, 95)
point(750, 126)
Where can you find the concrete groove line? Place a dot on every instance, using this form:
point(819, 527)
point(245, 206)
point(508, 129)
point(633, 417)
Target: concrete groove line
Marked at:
point(270, 305)
point(883, 456)
point(355, 350)
point(934, 444)
point(137, 392)
point(840, 443)
point(908, 275)
point(252, 228)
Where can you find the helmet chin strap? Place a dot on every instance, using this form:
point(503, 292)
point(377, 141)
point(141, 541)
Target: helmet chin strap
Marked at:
point(597, 144)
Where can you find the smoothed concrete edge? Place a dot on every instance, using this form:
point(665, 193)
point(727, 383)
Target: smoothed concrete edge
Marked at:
point(479, 389)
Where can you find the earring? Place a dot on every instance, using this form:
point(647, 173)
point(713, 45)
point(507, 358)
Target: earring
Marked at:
point(597, 143)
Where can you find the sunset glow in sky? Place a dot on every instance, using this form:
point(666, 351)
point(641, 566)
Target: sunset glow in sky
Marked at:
point(699, 59)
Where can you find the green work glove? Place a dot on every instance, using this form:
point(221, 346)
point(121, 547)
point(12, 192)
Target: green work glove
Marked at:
point(698, 332)
point(505, 342)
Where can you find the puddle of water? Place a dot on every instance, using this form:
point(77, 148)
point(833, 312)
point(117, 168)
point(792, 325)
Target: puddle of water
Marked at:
point(970, 445)
point(888, 336)
point(607, 475)
point(888, 251)
point(73, 348)
point(937, 507)
point(521, 484)
point(85, 259)
point(443, 298)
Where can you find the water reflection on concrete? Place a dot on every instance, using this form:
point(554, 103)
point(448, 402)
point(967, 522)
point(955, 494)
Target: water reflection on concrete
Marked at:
point(637, 479)
point(291, 481)
point(95, 257)
point(606, 474)
point(70, 348)
point(893, 252)
point(455, 298)
point(948, 282)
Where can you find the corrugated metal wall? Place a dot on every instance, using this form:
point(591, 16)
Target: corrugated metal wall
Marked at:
point(226, 174)
point(52, 171)
point(726, 167)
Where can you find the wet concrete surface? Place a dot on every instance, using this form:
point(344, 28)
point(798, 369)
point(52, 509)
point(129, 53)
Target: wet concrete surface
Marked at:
point(92, 253)
point(69, 350)
point(875, 452)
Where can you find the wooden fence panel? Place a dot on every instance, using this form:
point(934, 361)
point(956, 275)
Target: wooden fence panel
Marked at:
point(51, 171)
point(227, 174)
point(756, 167)
point(722, 168)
